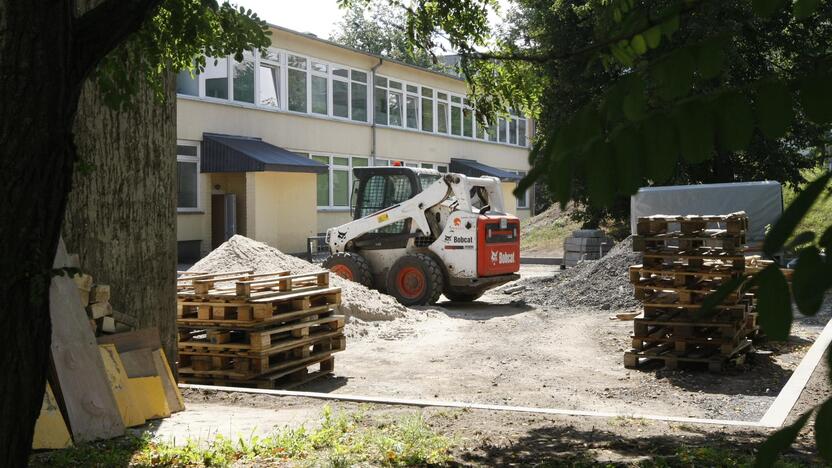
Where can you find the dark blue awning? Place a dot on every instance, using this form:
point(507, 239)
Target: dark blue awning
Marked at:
point(473, 168)
point(228, 153)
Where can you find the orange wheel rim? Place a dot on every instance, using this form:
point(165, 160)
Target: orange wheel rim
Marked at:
point(411, 282)
point(343, 271)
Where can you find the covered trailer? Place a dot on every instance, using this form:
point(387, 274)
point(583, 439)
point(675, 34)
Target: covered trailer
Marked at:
point(762, 201)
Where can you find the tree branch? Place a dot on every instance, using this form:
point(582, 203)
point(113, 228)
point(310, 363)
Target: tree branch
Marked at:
point(103, 28)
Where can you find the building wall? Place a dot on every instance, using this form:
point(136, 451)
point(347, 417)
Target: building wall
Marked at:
point(283, 205)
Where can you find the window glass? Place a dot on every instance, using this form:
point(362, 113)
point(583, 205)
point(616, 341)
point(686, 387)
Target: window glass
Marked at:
point(521, 132)
point(185, 84)
point(322, 183)
point(319, 95)
point(442, 169)
point(502, 130)
point(320, 67)
point(358, 76)
point(340, 99)
point(395, 85)
point(442, 96)
point(412, 89)
point(340, 161)
point(427, 166)
point(269, 94)
point(296, 62)
point(395, 108)
point(381, 162)
point(380, 105)
point(216, 78)
point(512, 132)
point(359, 102)
point(467, 123)
point(456, 120)
point(272, 54)
point(297, 90)
point(381, 81)
point(427, 113)
point(523, 202)
point(492, 133)
point(186, 175)
point(456, 99)
point(360, 162)
point(427, 92)
point(412, 112)
point(340, 187)
point(341, 72)
point(243, 83)
point(442, 117)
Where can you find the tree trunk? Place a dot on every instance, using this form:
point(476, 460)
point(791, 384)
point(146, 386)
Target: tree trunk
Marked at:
point(121, 216)
point(37, 104)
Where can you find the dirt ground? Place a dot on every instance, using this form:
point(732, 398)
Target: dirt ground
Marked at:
point(503, 351)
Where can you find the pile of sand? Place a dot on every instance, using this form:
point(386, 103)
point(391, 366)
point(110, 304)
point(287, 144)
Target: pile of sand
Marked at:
point(601, 284)
point(357, 302)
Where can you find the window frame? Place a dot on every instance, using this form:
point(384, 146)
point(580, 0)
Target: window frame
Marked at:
point(190, 159)
point(331, 168)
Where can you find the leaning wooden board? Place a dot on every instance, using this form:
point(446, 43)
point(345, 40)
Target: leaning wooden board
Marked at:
point(91, 409)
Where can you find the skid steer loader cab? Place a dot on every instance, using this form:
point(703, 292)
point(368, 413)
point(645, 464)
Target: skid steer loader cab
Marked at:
point(417, 233)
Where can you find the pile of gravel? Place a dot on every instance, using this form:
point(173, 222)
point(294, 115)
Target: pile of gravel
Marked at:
point(600, 284)
point(357, 302)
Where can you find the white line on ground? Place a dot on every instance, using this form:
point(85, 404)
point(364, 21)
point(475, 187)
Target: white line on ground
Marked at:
point(783, 404)
point(775, 416)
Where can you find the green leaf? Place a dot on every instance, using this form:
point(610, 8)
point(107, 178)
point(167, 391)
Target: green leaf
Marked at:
point(816, 98)
point(674, 75)
point(560, 179)
point(661, 148)
point(710, 58)
point(811, 278)
point(639, 44)
point(718, 297)
point(823, 430)
point(774, 108)
point(736, 121)
point(776, 443)
point(627, 151)
point(766, 8)
point(696, 132)
point(600, 170)
point(653, 36)
point(803, 9)
point(773, 303)
point(785, 226)
point(634, 106)
point(670, 26)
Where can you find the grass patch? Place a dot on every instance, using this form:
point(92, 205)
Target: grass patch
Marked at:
point(819, 216)
point(341, 440)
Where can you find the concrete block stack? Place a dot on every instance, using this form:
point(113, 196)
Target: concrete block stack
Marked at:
point(685, 258)
point(257, 330)
point(585, 244)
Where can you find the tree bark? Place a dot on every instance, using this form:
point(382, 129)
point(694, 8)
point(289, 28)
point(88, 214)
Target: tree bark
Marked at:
point(46, 54)
point(37, 104)
point(121, 216)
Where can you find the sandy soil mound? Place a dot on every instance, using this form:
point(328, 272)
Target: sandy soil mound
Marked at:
point(358, 302)
point(602, 284)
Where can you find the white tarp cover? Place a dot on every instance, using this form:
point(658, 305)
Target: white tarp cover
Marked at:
point(762, 201)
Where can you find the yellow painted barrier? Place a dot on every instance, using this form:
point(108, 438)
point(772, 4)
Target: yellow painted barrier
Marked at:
point(50, 429)
point(131, 413)
point(149, 396)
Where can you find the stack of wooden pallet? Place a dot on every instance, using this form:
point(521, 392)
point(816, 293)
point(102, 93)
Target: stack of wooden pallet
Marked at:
point(257, 330)
point(685, 259)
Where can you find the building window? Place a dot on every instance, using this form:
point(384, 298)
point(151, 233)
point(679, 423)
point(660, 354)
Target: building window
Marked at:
point(442, 112)
point(187, 84)
point(512, 131)
point(334, 188)
point(502, 130)
point(427, 109)
point(358, 100)
point(412, 107)
point(243, 79)
point(522, 202)
point(269, 92)
point(380, 101)
point(521, 132)
point(215, 78)
point(297, 83)
point(456, 115)
point(323, 182)
point(341, 92)
point(467, 121)
point(187, 177)
point(320, 99)
point(394, 99)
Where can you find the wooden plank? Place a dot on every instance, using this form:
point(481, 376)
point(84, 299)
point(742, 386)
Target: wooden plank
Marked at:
point(50, 429)
point(139, 363)
point(174, 399)
point(149, 396)
point(91, 409)
point(131, 414)
point(146, 338)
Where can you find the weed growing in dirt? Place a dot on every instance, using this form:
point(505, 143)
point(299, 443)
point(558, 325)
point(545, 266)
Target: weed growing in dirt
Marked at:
point(340, 440)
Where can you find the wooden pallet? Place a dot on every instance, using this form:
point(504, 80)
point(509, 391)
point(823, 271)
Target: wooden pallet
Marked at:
point(257, 340)
point(700, 239)
point(733, 224)
point(320, 353)
point(255, 310)
point(251, 286)
point(653, 289)
point(666, 353)
point(696, 258)
point(684, 336)
point(683, 274)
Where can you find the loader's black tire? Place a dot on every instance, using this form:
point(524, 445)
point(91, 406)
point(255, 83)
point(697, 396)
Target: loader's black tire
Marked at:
point(351, 266)
point(459, 296)
point(415, 279)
